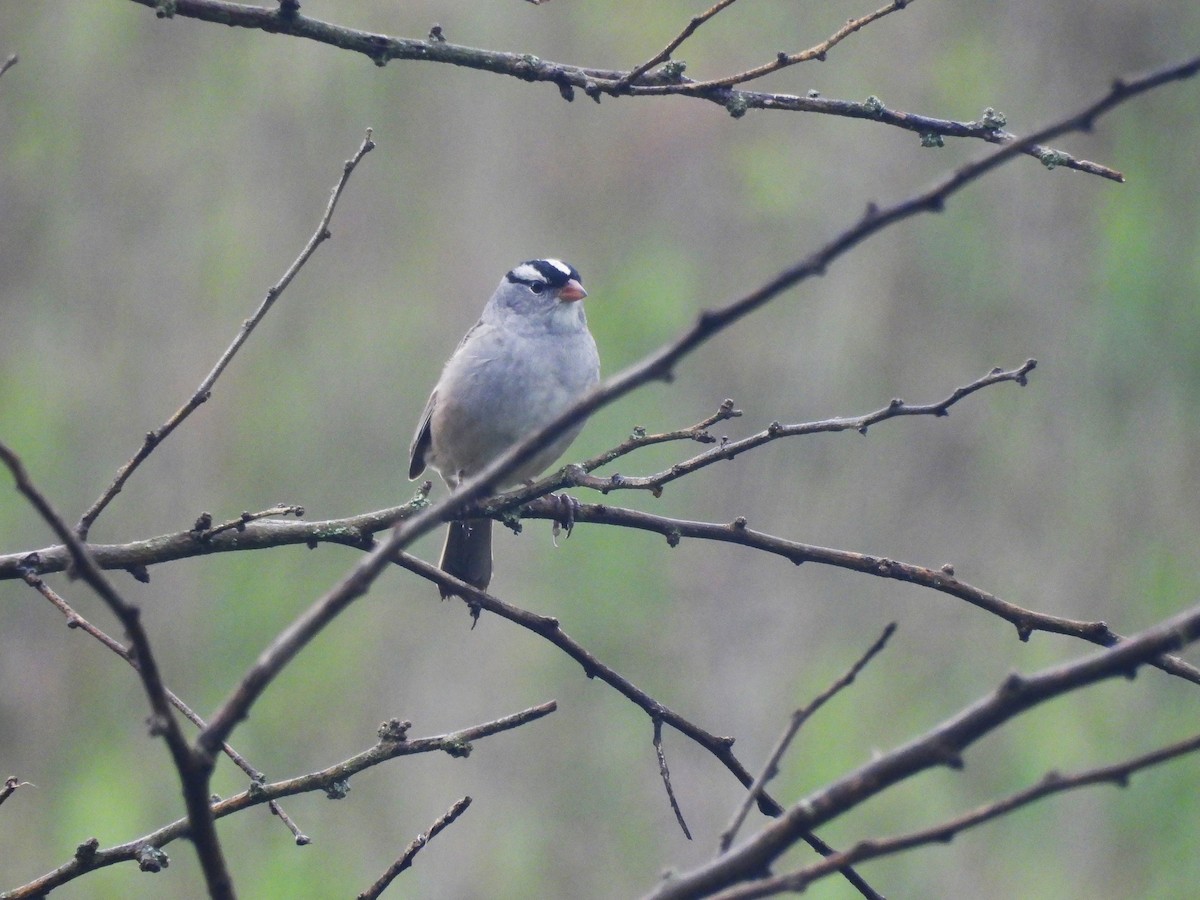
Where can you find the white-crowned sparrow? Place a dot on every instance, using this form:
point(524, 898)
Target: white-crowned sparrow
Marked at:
point(528, 358)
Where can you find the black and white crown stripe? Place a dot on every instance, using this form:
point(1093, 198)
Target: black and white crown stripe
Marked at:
point(552, 272)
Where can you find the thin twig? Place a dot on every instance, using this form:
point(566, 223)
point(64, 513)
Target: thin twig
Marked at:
point(393, 743)
point(665, 773)
point(816, 52)
point(596, 81)
point(204, 391)
point(940, 746)
point(75, 620)
point(193, 773)
point(663, 55)
point(420, 841)
point(1051, 783)
point(727, 450)
point(239, 524)
point(799, 717)
point(8, 63)
point(639, 438)
point(11, 783)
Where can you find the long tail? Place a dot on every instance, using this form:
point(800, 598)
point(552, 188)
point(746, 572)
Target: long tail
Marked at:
point(467, 554)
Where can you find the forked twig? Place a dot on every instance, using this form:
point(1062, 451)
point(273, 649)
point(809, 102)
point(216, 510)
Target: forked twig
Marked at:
point(665, 53)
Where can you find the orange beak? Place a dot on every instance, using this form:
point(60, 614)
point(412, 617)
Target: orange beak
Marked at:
point(572, 291)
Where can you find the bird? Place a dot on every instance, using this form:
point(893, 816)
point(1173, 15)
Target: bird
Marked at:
point(528, 358)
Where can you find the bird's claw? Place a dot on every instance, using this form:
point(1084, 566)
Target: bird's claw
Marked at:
point(564, 518)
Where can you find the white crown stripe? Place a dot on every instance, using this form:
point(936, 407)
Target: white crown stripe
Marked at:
point(526, 272)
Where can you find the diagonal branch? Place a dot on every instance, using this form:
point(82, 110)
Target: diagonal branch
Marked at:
point(942, 579)
point(799, 717)
point(393, 743)
point(204, 391)
point(1051, 783)
point(75, 620)
point(941, 746)
point(406, 858)
point(549, 628)
point(193, 777)
point(664, 54)
point(577, 476)
point(817, 52)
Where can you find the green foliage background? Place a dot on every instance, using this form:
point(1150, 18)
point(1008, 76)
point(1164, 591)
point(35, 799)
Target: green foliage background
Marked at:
point(157, 176)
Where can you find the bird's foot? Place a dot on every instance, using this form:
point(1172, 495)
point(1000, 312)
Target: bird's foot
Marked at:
point(564, 518)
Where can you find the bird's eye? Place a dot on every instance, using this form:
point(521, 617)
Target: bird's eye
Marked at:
point(537, 286)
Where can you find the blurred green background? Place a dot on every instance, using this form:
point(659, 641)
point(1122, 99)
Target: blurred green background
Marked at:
point(157, 176)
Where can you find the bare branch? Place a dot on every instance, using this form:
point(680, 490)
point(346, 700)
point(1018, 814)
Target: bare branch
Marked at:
point(942, 746)
point(356, 531)
point(665, 773)
point(393, 743)
point(639, 438)
point(193, 774)
point(75, 620)
point(943, 579)
point(421, 840)
point(663, 55)
point(353, 531)
point(799, 717)
point(1052, 783)
point(597, 82)
point(239, 524)
point(817, 52)
point(549, 628)
point(728, 450)
point(11, 783)
point(204, 391)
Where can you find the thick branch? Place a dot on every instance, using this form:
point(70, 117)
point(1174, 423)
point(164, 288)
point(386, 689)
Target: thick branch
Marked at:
point(942, 746)
point(1052, 783)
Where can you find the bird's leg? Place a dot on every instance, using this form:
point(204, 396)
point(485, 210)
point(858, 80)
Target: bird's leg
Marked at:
point(568, 506)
